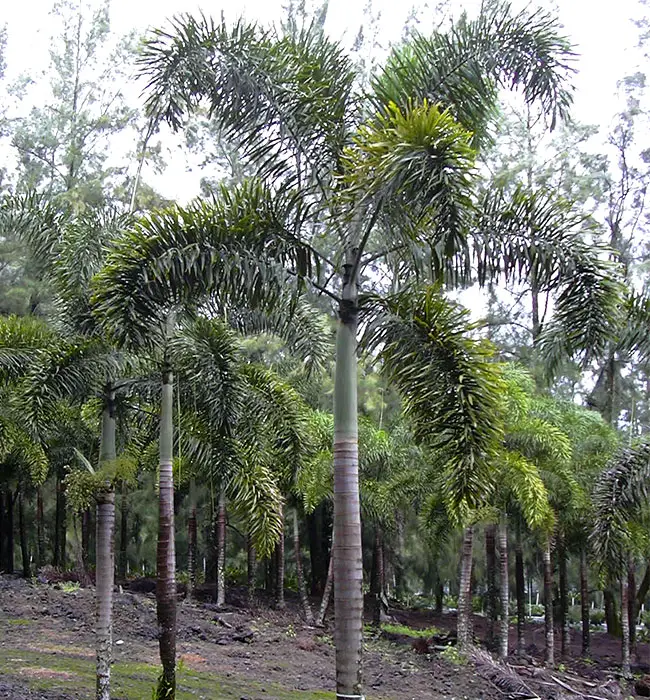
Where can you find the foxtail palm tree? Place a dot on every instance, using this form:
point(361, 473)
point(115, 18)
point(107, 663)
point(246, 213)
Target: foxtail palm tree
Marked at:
point(401, 187)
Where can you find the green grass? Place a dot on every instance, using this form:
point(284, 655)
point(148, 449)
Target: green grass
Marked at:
point(17, 621)
point(132, 681)
point(409, 631)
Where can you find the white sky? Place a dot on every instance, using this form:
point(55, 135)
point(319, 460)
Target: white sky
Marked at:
point(605, 37)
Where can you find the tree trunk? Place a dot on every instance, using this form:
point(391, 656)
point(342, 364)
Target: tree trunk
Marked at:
point(520, 585)
point(191, 542)
point(631, 603)
point(24, 550)
point(327, 594)
point(317, 556)
point(221, 552)
point(398, 564)
point(504, 582)
point(85, 540)
point(252, 566)
point(166, 554)
point(564, 606)
point(9, 566)
point(124, 532)
point(302, 586)
point(642, 591)
point(348, 563)
point(584, 602)
point(40, 530)
point(60, 525)
point(439, 596)
point(612, 619)
point(3, 529)
point(377, 576)
point(279, 569)
point(105, 555)
point(491, 584)
point(104, 591)
point(549, 647)
point(625, 627)
point(465, 592)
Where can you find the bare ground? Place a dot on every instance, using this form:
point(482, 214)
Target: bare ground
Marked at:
point(46, 652)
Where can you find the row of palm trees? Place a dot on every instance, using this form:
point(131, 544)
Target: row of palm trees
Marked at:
point(354, 188)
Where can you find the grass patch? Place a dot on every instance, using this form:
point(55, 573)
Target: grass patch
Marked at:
point(409, 631)
point(18, 621)
point(132, 681)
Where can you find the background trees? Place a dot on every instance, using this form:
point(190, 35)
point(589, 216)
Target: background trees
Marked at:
point(348, 195)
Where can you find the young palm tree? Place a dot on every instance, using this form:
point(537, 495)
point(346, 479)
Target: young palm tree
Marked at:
point(401, 187)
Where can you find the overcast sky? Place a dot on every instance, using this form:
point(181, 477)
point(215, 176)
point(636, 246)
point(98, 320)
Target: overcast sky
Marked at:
point(605, 39)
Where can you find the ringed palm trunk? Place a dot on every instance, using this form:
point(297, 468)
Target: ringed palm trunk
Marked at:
point(377, 576)
point(104, 573)
point(124, 539)
point(279, 568)
point(251, 569)
point(631, 603)
point(520, 583)
point(327, 594)
point(40, 529)
point(491, 576)
point(104, 591)
point(504, 625)
point(465, 592)
point(549, 647)
point(584, 602)
point(564, 603)
point(191, 542)
point(348, 567)
point(24, 550)
point(166, 553)
point(302, 586)
point(221, 549)
point(625, 625)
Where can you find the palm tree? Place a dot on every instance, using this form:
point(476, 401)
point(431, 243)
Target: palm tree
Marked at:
point(260, 90)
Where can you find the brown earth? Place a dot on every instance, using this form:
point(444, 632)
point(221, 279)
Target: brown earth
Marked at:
point(46, 652)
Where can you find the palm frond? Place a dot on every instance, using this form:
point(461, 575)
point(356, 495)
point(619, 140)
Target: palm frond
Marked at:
point(522, 477)
point(283, 99)
point(462, 68)
point(414, 168)
point(304, 329)
point(620, 492)
point(449, 386)
point(237, 248)
point(256, 498)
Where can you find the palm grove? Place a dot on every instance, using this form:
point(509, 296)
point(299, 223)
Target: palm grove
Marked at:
point(285, 358)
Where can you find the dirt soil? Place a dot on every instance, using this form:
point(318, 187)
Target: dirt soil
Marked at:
point(47, 652)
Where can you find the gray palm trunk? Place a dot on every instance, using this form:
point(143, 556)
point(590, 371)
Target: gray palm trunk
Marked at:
point(504, 625)
point(166, 553)
point(521, 593)
point(105, 555)
point(625, 626)
point(221, 549)
point(40, 529)
point(348, 568)
point(191, 542)
point(549, 647)
point(302, 586)
point(24, 549)
point(327, 594)
point(564, 606)
point(490, 574)
point(465, 592)
point(251, 569)
point(584, 602)
point(279, 567)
